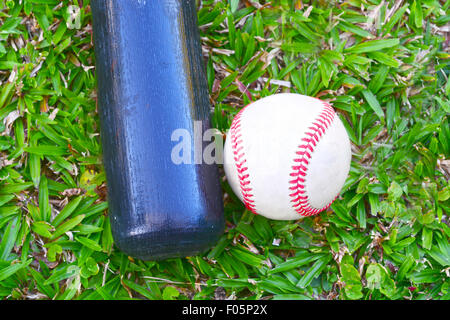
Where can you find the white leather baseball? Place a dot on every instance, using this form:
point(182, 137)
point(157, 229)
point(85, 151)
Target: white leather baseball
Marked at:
point(287, 156)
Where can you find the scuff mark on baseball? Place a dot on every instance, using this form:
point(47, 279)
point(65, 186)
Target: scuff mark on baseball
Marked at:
point(287, 156)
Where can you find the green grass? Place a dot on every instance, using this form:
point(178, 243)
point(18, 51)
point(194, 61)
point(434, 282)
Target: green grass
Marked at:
point(384, 68)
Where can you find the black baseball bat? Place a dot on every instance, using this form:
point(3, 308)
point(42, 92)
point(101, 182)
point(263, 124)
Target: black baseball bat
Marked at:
point(152, 81)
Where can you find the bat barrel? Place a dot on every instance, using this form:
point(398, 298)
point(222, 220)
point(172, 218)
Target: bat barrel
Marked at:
point(151, 82)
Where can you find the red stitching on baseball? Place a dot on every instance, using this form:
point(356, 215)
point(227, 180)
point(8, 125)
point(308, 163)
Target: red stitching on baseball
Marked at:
point(239, 160)
point(298, 196)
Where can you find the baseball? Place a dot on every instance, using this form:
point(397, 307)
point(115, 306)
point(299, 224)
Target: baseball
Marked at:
point(287, 156)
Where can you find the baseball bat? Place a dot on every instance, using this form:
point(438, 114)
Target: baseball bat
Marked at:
point(151, 81)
